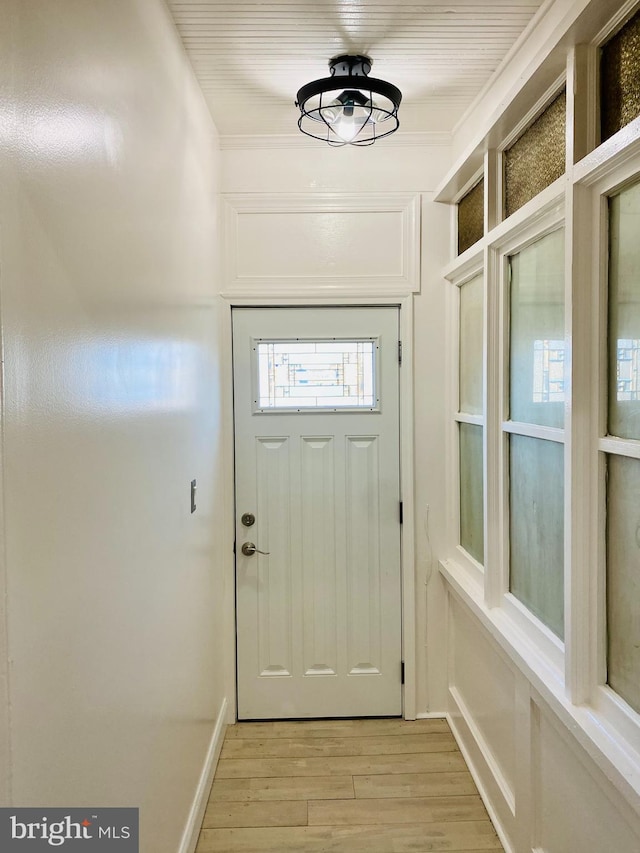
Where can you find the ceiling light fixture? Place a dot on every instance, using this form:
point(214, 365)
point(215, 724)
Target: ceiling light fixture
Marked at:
point(349, 108)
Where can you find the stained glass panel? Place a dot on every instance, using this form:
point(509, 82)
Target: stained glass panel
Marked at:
point(319, 374)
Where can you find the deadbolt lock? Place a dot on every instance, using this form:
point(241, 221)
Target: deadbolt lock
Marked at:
point(248, 519)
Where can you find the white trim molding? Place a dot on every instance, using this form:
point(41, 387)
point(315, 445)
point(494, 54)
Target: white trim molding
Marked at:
point(403, 209)
point(201, 797)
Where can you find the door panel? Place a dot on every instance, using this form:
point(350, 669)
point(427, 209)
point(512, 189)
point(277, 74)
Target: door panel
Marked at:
point(318, 616)
point(363, 555)
point(319, 564)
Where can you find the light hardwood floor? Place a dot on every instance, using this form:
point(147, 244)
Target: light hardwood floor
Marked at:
point(381, 786)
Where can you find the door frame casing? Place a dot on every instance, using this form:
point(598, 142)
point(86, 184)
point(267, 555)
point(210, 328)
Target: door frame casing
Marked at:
point(407, 541)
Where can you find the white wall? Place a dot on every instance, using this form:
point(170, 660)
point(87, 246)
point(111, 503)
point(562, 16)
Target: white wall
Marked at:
point(314, 168)
point(108, 279)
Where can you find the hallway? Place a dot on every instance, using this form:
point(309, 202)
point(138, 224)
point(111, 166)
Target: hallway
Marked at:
point(155, 184)
point(344, 785)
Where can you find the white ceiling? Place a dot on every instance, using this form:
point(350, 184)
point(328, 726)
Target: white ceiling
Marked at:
point(252, 57)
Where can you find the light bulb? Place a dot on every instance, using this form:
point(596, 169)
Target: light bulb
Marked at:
point(345, 117)
point(346, 127)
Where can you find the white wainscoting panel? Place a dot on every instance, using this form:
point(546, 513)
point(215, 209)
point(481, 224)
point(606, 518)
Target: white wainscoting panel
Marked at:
point(544, 792)
point(485, 689)
point(482, 714)
point(573, 803)
point(347, 244)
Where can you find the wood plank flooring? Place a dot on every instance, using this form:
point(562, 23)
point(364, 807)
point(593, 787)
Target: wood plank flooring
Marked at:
point(344, 786)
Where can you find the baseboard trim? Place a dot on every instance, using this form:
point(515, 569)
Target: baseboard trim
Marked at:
point(477, 778)
point(196, 813)
point(431, 715)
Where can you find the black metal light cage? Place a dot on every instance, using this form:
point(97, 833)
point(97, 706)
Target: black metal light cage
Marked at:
point(315, 99)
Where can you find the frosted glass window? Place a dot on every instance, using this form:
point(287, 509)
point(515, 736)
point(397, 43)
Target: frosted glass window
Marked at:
point(623, 578)
point(471, 346)
point(536, 498)
point(319, 374)
point(620, 79)
point(624, 314)
point(537, 158)
point(537, 332)
point(471, 217)
point(471, 508)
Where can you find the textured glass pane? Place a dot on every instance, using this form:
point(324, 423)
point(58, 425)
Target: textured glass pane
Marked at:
point(471, 346)
point(316, 374)
point(471, 511)
point(537, 333)
point(620, 79)
point(537, 528)
point(624, 314)
point(537, 158)
point(623, 578)
point(471, 217)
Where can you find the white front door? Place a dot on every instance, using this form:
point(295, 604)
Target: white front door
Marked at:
point(316, 404)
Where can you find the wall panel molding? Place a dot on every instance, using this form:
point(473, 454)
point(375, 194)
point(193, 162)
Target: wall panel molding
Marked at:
point(574, 806)
point(489, 757)
point(482, 709)
point(565, 793)
point(370, 244)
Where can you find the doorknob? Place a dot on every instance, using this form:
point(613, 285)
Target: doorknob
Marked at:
point(249, 549)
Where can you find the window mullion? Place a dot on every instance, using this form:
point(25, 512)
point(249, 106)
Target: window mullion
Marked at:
point(582, 115)
point(581, 459)
point(535, 431)
point(494, 487)
point(621, 446)
point(493, 189)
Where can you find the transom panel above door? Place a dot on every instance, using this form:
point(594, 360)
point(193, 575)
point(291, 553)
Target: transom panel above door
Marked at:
point(316, 405)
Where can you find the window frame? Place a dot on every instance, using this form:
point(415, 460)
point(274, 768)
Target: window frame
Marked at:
point(257, 409)
point(601, 181)
point(549, 217)
point(471, 267)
